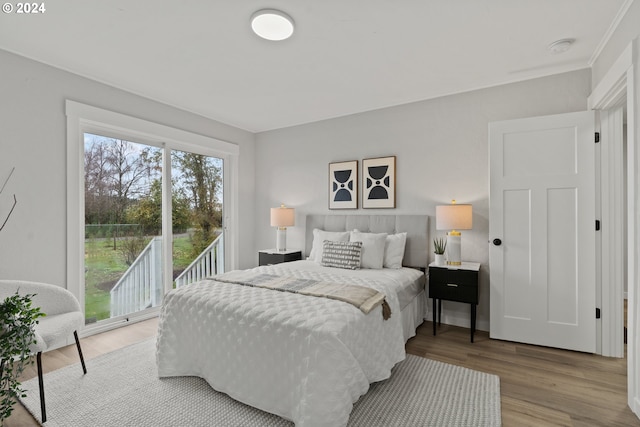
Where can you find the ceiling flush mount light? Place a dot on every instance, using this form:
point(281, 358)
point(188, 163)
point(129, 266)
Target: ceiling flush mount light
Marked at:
point(560, 46)
point(272, 24)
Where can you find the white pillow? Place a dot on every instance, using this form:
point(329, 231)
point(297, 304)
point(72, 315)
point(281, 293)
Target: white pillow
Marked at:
point(372, 248)
point(394, 250)
point(319, 236)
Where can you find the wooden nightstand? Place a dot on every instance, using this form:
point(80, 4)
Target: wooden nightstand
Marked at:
point(454, 283)
point(272, 256)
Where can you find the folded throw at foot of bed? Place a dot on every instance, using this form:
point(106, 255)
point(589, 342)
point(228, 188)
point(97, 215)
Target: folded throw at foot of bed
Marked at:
point(366, 299)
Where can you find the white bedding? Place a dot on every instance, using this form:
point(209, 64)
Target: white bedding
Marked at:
point(303, 358)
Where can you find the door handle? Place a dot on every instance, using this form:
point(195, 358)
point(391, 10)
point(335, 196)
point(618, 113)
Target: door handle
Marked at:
point(497, 242)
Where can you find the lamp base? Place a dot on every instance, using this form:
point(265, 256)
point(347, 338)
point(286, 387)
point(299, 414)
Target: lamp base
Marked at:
point(281, 239)
point(453, 248)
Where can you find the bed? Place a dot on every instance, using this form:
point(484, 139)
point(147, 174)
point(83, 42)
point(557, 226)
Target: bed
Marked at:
point(306, 359)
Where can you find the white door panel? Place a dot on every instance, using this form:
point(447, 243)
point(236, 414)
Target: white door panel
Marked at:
point(517, 259)
point(542, 208)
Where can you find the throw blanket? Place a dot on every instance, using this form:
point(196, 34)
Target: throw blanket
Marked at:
point(366, 299)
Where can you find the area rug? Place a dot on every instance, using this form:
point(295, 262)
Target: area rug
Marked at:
point(122, 388)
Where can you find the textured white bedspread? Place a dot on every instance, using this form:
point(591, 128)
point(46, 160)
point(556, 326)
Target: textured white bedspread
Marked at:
point(307, 359)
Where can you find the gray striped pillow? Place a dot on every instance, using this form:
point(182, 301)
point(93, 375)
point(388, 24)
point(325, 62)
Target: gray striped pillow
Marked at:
point(341, 254)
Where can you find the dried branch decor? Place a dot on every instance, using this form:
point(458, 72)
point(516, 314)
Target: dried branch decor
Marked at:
point(15, 200)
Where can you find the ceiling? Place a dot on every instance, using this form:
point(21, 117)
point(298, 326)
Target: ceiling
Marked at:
point(345, 57)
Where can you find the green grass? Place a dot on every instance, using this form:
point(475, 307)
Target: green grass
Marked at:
point(182, 256)
point(104, 266)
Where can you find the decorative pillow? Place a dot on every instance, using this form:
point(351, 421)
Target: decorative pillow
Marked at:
point(394, 250)
point(372, 248)
point(319, 236)
point(341, 254)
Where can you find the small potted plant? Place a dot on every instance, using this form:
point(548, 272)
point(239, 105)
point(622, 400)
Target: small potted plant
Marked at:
point(17, 320)
point(440, 245)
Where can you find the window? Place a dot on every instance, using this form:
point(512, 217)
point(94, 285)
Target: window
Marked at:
point(145, 212)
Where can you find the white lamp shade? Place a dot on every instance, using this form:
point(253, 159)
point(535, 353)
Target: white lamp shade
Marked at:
point(454, 217)
point(283, 217)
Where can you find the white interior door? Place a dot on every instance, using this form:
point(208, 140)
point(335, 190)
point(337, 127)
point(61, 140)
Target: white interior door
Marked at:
point(542, 231)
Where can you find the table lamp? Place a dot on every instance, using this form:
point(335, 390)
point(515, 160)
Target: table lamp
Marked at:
point(282, 218)
point(454, 217)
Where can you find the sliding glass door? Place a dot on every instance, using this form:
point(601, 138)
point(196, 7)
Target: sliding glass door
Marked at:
point(123, 212)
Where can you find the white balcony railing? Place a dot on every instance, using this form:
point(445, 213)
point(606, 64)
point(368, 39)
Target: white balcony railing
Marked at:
point(140, 286)
point(208, 263)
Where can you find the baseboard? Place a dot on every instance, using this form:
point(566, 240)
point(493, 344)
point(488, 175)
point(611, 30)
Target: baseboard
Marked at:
point(463, 322)
point(636, 406)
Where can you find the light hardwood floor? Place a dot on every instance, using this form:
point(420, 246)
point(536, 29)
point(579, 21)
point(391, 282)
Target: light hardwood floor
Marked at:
point(539, 386)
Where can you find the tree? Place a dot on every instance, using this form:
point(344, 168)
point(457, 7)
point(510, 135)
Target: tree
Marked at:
point(148, 211)
point(117, 173)
point(200, 177)
point(130, 170)
point(96, 187)
point(122, 184)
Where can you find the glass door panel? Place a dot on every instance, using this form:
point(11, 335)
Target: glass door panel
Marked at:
point(197, 212)
point(123, 227)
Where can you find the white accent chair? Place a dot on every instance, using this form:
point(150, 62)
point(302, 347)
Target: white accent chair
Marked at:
point(63, 317)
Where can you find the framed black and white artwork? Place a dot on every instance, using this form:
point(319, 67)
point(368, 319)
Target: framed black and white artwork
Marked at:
point(343, 185)
point(379, 182)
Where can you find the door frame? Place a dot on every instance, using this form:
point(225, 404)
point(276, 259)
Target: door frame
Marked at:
point(617, 84)
point(612, 249)
point(83, 118)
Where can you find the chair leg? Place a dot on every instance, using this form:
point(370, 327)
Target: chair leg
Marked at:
point(75, 335)
point(43, 409)
point(41, 384)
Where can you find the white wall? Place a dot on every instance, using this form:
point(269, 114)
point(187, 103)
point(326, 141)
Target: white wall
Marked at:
point(442, 153)
point(33, 139)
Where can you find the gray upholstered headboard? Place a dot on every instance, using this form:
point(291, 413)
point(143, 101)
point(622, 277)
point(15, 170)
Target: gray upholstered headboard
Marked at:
point(416, 253)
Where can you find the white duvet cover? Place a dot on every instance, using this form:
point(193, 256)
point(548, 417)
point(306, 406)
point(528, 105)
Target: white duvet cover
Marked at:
point(306, 359)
